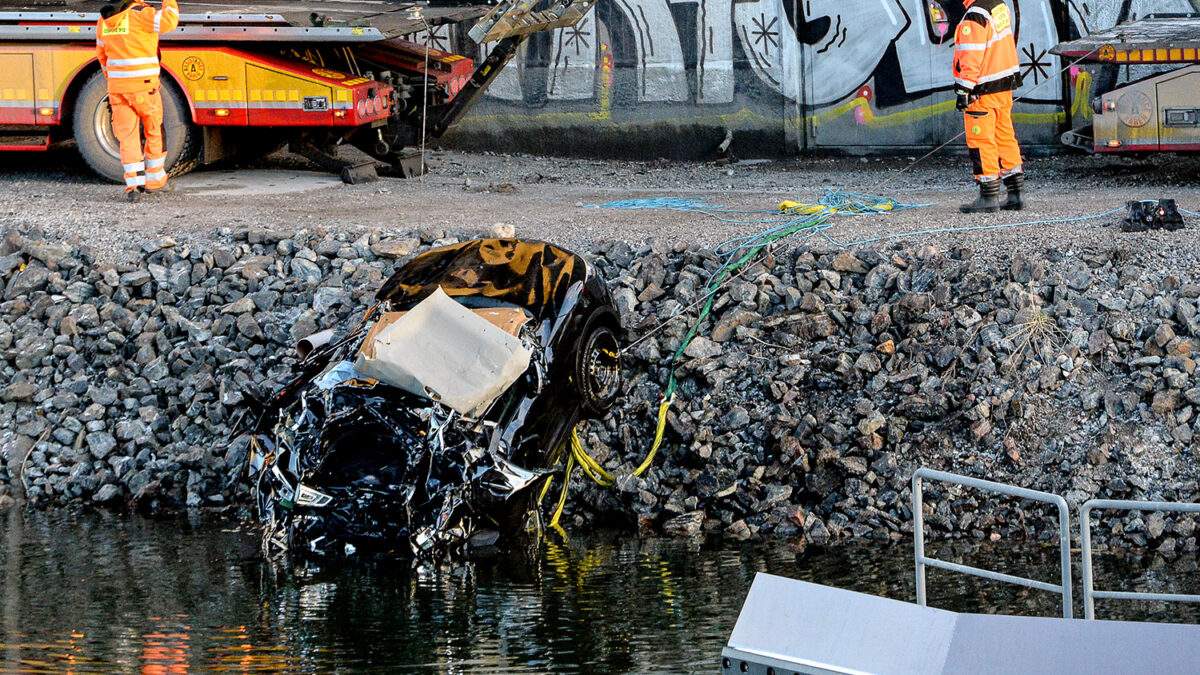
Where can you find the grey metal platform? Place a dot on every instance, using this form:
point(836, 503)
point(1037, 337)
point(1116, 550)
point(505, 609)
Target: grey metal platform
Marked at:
point(796, 627)
point(1155, 39)
point(252, 20)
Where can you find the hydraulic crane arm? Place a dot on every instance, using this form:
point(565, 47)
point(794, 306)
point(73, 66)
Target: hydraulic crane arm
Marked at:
point(484, 75)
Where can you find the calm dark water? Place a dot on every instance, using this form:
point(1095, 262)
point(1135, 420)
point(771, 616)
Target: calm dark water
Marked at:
point(105, 593)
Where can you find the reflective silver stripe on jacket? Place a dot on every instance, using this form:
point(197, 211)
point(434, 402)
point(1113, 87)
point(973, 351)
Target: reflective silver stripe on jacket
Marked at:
point(140, 61)
point(145, 72)
point(1000, 75)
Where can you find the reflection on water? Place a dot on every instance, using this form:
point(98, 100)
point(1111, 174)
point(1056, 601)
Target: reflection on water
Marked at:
point(104, 593)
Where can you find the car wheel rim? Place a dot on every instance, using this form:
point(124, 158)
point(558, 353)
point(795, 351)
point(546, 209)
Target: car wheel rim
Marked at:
point(604, 366)
point(102, 125)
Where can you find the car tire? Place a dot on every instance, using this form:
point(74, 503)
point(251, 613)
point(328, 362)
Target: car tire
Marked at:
point(598, 369)
point(92, 126)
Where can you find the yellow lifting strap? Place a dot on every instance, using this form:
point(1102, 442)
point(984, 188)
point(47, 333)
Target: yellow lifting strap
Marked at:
point(589, 465)
point(658, 436)
point(801, 208)
point(562, 497)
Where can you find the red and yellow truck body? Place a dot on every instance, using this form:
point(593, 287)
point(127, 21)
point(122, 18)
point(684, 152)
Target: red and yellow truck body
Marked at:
point(224, 87)
point(238, 81)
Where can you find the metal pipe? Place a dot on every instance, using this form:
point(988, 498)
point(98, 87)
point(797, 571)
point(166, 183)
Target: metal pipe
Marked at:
point(919, 535)
point(994, 576)
point(1085, 552)
point(1064, 534)
point(1134, 595)
point(1085, 525)
point(319, 339)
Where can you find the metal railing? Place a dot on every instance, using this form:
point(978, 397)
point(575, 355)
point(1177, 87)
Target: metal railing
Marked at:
point(1085, 530)
point(922, 561)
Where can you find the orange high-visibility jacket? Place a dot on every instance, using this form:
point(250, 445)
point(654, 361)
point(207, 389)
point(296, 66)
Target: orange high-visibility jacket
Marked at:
point(127, 45)
point(985, 53)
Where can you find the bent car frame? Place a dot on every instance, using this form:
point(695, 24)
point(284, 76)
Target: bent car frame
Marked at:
point(432, 426)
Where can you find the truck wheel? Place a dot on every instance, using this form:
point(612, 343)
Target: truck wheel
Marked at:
point(99, 148)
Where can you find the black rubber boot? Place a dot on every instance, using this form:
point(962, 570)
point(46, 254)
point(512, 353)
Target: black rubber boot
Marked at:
point(988, 201)
point(134, 195)
point(1014, 184)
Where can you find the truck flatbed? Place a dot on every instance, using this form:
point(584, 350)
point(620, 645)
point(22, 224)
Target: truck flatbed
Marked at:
point(242, 79)
point(1158, 38)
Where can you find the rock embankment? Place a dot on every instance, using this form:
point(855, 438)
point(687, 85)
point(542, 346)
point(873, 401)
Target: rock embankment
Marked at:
point(821, 380)
point(824, 377)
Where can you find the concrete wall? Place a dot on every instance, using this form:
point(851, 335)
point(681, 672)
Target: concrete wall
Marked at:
point(647, 78)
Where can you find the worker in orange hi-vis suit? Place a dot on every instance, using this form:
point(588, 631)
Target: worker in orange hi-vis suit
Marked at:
point(127, 47)
point(986, 70)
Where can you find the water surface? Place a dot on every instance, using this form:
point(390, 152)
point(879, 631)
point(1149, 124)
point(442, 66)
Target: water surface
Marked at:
point(118, 593)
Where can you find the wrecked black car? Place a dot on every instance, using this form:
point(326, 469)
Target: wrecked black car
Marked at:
point(433, 426)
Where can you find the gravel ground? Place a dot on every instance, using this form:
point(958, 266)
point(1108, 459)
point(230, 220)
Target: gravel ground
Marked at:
point(542, 197)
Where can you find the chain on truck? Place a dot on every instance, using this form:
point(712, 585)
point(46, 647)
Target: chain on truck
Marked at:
point(243, 85)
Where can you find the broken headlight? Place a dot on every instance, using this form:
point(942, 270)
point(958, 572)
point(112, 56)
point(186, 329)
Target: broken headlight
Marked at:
point(306, 496)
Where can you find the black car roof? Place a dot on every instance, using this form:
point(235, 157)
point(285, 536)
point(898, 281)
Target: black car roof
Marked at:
point(530, 274)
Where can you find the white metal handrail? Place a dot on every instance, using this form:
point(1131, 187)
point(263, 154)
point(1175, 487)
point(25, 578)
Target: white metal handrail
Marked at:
point(1085, 525)
point(923, 561)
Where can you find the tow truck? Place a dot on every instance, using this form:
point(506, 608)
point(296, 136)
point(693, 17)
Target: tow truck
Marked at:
point(1159, 113)
point(243, 81)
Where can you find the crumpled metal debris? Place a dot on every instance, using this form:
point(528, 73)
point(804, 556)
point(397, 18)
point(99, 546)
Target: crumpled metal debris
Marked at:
point(344, 464)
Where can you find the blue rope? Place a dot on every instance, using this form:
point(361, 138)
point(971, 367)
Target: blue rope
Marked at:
point(687, 205)
point(835, 202)
point(969, 228)
point(782, 223)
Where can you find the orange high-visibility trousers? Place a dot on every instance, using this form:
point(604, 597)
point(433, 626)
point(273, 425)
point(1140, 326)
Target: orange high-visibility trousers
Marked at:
point(133, 114)
point(991, 139)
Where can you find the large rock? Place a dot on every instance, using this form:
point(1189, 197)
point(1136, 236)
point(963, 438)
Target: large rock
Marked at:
point(848, 262)
point(50, 254)
point(100, 443)
point(19, 391)
point(32, 278)
point(306, 270)
point(702, 348)
point(393, 249)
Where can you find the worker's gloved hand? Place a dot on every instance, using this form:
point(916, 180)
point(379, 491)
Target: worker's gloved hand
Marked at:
point(963, 99)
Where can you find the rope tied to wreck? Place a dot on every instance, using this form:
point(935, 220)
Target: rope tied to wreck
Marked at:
point(738, 253)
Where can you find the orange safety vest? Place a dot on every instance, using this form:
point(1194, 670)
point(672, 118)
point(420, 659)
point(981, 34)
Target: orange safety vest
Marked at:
point(127, 45)
point(985, 53)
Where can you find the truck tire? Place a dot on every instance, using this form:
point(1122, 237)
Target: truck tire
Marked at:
point(99, 148)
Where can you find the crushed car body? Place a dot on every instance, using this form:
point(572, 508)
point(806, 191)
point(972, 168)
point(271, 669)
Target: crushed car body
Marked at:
point(432, 427)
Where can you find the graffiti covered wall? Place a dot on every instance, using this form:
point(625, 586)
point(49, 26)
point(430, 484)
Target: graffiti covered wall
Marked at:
point(674, 77)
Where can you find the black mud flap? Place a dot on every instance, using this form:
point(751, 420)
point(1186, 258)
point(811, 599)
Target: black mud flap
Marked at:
point(359, 173)
point(409, 164)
